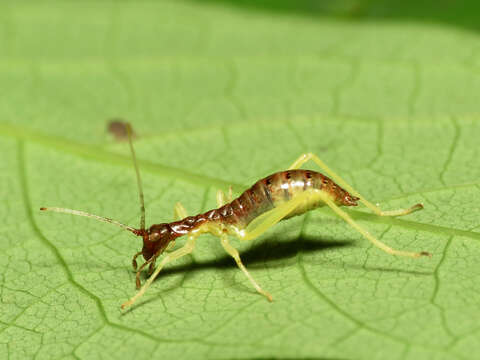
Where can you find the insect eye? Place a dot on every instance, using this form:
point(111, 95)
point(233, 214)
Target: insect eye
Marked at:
point(155, 236)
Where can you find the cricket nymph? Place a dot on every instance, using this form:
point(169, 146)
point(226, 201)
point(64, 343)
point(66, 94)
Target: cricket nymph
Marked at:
point(274, 198)
point(263, 196)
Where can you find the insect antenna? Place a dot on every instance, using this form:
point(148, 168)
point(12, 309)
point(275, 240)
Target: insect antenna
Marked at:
point(138, 232)
point(96, 217)
point(139, 180)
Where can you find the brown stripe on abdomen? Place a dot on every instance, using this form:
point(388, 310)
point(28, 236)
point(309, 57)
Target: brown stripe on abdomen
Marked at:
point(273, 191)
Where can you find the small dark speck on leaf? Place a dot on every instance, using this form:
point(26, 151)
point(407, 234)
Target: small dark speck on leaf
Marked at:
point(117, 128)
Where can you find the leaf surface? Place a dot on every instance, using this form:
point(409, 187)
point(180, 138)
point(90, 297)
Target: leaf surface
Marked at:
point(221, 96)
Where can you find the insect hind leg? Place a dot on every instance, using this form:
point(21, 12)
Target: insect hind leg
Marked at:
point(365, 233)
point(310, 156)
point(265, 221)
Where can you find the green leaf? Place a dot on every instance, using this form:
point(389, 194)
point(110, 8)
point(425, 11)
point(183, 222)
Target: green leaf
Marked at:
point(222, 95)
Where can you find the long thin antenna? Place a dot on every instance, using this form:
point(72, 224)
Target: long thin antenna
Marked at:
point(96, 217)
point(139, 180)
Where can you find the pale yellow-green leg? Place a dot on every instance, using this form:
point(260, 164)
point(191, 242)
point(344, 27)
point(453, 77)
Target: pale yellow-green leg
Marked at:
point(222, 199)
point(179, 212)
point(234, 253)
point(151, 261)
point(265, 221)
point(309, 156)
point(170, 246)
point(184, 250)
point(365, 233)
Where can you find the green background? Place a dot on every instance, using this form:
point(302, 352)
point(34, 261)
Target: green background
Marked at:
point(223, 93)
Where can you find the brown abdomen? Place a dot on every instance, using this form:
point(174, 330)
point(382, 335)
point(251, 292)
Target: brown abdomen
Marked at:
point(276, 189)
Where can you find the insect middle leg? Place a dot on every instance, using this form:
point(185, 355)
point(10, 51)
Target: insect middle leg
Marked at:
point(309, 156)
point(184, 250)
point(234, 253)
point(222, 199)
point(179, 212)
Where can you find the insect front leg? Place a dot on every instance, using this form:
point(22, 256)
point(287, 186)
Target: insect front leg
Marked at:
point(151, 267)
point(134, 260)
point(184, 250)
point(234, 253)
point(139, 271)
point(309, 156)
point(170, 246)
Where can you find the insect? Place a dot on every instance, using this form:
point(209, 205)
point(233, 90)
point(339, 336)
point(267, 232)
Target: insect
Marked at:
point(274, 198)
